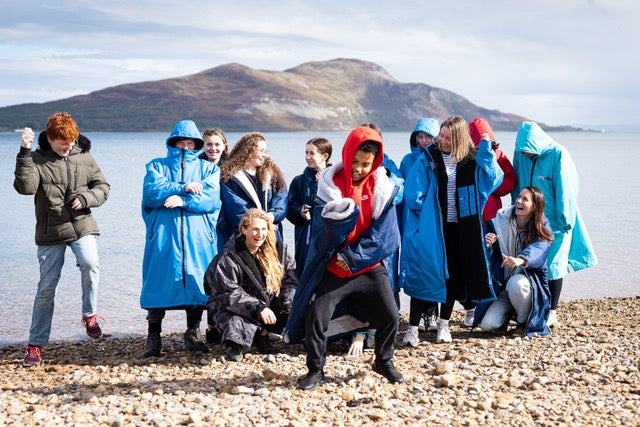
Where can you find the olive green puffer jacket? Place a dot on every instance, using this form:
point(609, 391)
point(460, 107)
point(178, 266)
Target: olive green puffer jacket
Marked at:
point(56, 181)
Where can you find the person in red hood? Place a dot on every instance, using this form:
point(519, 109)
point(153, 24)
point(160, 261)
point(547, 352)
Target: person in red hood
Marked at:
point(354, 232)
point(478, 127)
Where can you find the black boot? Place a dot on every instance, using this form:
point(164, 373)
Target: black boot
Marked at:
point(387, 370)
point(213, 336)
point(234, 351)
point(193, 340)
point(311, 380)
point(262, 343)
point(154, 345)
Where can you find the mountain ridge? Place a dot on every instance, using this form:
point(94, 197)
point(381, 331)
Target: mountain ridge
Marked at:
point(336, 94)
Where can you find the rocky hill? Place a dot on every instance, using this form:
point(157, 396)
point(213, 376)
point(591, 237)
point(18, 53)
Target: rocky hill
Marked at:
point(326, 95)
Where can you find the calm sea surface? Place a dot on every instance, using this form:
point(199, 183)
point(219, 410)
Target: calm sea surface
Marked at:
point(609, 200)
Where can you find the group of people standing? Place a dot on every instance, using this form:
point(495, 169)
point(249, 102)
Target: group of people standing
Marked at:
point(364, 229)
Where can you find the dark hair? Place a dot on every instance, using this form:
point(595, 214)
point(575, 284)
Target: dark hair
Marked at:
point(322, 144)
point(370, 147)
point(535, 229)
point(373, 126)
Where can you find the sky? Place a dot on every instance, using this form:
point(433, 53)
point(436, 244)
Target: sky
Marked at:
point(560, 62)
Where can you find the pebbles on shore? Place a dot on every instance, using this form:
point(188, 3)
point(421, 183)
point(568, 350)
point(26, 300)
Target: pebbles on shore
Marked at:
point(585, 373)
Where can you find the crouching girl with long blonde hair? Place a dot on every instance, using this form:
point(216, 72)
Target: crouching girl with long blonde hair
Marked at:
point(252, 283)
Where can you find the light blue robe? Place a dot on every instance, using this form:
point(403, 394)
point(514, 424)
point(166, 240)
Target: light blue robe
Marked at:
point(552, 170)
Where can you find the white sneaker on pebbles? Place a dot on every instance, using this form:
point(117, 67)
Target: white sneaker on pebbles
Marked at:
point(432, 323)
point(411, 337)
point(443, 334)
point(423, 324)
point(469, 317)
point(553, 319)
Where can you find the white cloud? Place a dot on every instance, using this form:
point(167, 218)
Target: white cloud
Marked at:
point(556, 62)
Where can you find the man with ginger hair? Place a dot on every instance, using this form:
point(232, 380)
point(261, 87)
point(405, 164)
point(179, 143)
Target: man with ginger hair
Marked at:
point(67, 182)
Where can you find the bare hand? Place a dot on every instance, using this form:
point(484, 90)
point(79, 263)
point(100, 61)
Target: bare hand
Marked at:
point(485, 136)
point(193, 187)
point(268, 316)
point(76, 204)
point(174, 201)
point(357, 344)
point(271, 216)
point(304, 212)
point(342, 264)
point(490, 239)
point(27, 138)
point(512, 262)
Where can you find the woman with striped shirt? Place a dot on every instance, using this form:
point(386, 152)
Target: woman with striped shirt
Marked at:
point(444, 257)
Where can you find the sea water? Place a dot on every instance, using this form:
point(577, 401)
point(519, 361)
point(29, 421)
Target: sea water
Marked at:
point(609, 201)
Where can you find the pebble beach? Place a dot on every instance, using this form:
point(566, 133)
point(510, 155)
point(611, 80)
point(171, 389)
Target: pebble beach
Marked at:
point(585, 373)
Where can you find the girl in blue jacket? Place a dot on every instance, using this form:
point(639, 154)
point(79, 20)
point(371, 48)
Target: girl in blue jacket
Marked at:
point(518, 239)
point(180, 205)
point(540, 161)
point(250, 179)
point(302, 193)
point(443, 254)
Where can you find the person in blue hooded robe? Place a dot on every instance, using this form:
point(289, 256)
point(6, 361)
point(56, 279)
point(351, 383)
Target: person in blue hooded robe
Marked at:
point(518, 239)
point(422, 136)
point(443, 255)
point(540, 161)
point(180, 207)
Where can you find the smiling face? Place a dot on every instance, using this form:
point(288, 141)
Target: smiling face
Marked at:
point(61, 147)
point(361, 166)
point(255, 234)
point(259, 155)
point(213, 148)
point(524, 204)
point(314, 158)
point(444, 140)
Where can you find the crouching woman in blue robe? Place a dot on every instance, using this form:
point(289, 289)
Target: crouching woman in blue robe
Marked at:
point(519, 238)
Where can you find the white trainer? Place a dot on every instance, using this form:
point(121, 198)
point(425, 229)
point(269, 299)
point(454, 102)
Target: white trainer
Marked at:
point(423, 324)
point(469, 317)
point(444, 334)
point(411, 337)
point(432, 323)
point(553, 319)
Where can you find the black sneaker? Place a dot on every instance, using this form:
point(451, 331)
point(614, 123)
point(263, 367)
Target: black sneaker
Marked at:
point(234, 351)
point(311, 380)
point(213, 336)
point(194, 342)
point(154, 345)
point(263, 344)
point(387, 370)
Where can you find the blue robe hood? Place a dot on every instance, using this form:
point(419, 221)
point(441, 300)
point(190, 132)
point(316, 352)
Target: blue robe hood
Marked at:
point(185, 129)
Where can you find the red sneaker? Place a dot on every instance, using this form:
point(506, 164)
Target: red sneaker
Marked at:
point(91, 324)
point(32, 358)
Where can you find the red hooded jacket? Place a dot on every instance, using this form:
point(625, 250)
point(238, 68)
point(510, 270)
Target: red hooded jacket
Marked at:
point(361, 193)
point(476, 128)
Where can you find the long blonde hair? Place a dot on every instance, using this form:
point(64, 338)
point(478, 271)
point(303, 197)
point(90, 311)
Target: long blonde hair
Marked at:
point(267, 254)
point(461, 143)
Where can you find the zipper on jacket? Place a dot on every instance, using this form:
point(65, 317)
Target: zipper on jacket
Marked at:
point(182, 228)
point(532, 168)
point(68, 191)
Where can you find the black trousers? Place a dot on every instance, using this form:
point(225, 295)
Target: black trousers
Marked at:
point(155, 316)
point(372, 291)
